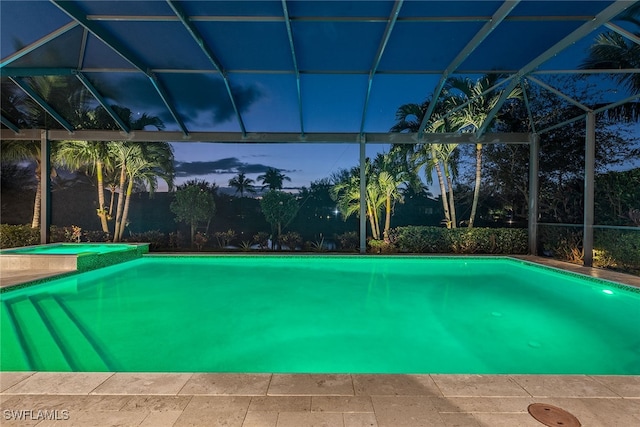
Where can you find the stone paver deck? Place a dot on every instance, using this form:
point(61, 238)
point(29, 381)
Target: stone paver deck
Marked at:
point(282, 400)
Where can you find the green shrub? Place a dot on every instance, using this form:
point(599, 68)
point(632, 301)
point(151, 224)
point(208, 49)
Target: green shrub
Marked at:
point(155, 238)
point(261, 239)
point(349, 241)
point(617, 249)
point(419, 239)
point(291, 239)
point(12, 236)
point(96, 236)
point(381, 247)
point(225, 238)
point(477, 240)
point(563, 243)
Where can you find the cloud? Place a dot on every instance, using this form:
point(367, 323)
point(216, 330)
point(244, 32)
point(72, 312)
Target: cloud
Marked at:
point(200, 97)
point(229, 165)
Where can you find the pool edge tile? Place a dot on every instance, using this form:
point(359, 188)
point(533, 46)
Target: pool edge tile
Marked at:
point(130, 383)
point(479, 386)
point(9, 379)
point(227, 384)
point(626, 386)
point(68, 383)
point(563, 386)
point(311, 385)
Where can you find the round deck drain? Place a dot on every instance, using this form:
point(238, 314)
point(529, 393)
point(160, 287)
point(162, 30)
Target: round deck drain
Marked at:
point(552, 416)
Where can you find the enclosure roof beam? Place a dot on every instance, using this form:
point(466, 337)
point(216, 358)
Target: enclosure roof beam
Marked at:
point(104, 36)
point(195, 34)
point(563, 123)
point(38, 43)
point(369, 19)
point(274, 138)
point(624, 33)
point(582, 31)
point(617, 103)
point(391, 22)
point(525, 97)
point(294, 58)
point(557, 92)
point(40, 71)
point(36, 71)
point(480, 36)
point(8, 123)
point(42, 103)
point(164, 95)
point(102, 102)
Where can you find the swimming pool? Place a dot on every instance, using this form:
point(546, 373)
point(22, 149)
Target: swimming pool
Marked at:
point(327, 314)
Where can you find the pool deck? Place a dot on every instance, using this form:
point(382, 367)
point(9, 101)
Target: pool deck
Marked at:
point(301, 400)
point(281, 400)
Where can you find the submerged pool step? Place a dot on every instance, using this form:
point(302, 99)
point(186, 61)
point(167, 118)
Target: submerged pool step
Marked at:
point(81, 353)
point(44, 352)
point(12, 356)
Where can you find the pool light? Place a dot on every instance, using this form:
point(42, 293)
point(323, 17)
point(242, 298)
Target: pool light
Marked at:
point(608, 291)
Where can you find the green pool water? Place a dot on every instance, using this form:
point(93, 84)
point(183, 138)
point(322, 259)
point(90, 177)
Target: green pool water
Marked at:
point(69, 249)
point(323, 315)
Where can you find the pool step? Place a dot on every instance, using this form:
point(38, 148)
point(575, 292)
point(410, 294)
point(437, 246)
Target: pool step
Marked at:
point(76, 344)
point(12, 356)
point(45, 352)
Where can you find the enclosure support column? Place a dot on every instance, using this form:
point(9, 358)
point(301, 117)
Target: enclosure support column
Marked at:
point(589, 199)
point(363, 197)
point(45, 186)
point(534, 149)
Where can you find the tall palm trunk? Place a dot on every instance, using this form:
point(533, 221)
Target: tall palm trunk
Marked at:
point(119, 209)
point(452, 202)
point(125, 212)
point(372, 200)
point(373, 220)
point(387, 220)
point(112, 190)
point(476, 190)
point(102, 213)
point(443, 190)
point(35, 220)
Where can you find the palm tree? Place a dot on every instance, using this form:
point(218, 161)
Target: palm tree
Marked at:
point(102, 157)
point(346, 193)
point(391, 173)
point(68, 98)
point(95, 155)
point(443, 158)
point(29, 151)
point(611, 50)
point(241, 184)
point(146, 162)
point(429, 156)
point(273, 179)
point(474, 115)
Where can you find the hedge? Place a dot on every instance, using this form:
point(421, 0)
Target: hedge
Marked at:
point(477, 240)
point(12, 236)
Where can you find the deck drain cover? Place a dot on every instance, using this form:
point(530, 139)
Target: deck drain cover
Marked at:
point(550, 415)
